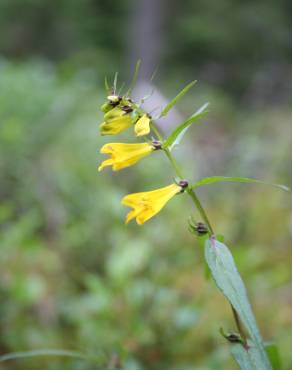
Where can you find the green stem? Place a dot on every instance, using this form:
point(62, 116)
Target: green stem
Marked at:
point(190, 191)
point(200, 208)
point(202, 212)
point(174, 164)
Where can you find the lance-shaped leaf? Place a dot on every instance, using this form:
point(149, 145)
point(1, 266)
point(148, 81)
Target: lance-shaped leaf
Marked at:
point(115, 84)
point(176, 99)
point(41, 352)
point(106, 85)
point(135, 77)
point(247, 359)
point(178, 133)
point(97, 359)
point(215, 179)
point(228, 280)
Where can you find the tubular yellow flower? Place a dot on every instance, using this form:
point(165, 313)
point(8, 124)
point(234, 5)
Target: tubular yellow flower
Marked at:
point(116, 125)
point(117, 120)
point(124, 155)
point(114, 113)
point(142, 126)
point(147, 204)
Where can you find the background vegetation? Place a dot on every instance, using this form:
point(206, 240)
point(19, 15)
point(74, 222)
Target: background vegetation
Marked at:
point(72, 275)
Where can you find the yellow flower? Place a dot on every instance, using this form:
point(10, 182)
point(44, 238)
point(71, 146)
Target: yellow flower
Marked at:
point(113, 101)
point(117, 120)
point(116, 125)
point(120, 117)
point(124, 155)
point(116, 112)
point(146, 204)
point(142, 126)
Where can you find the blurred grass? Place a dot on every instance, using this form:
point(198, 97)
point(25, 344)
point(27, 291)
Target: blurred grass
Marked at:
point(74, 277)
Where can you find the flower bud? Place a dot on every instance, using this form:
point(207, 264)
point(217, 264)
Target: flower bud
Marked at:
point(106, 107)
point(200, 228)
point(183, 184)
point(156, 144)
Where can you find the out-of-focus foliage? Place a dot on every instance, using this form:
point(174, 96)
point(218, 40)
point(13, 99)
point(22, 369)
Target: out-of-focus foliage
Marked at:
point(90, 31)
point(244, 46)
point(73, 276)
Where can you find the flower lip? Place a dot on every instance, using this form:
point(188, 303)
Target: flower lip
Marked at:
point(183, 184)
point(156, 144)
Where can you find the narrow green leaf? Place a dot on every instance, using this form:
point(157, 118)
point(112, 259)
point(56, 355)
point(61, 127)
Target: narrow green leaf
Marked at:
point(242, 357)
point(146, 96)
point(106, 85)
point(178, 133)
point(121, 89)
point(247, 359)
point(53, 352)
point(215, 179)
point(154, 74)
point(177, 98)
point(115, 82)
point(41, 352)
point(228, 280)
point(135, 77)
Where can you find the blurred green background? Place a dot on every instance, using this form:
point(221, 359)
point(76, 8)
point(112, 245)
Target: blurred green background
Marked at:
point(73, 277)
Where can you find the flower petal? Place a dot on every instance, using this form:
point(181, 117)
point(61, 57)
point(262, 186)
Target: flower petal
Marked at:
point(132, 214)
point(142, 126)
point(125, 155)
point(114, 113)
point(104, 164)
point(116, 125)
point(147, 204)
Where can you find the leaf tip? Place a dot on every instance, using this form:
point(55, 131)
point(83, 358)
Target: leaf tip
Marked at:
point(284, 187)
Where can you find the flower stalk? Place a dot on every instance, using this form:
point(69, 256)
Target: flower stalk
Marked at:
point(202, 213)
point(179, 173)
point(119, 114)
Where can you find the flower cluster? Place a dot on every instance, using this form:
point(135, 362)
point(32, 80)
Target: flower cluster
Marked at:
point(119, 114)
